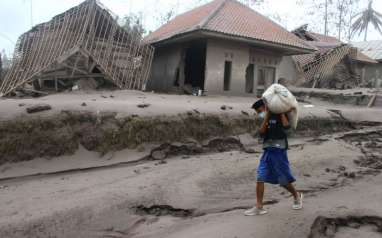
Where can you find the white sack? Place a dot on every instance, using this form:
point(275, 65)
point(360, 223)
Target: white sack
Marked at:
point(280, 100)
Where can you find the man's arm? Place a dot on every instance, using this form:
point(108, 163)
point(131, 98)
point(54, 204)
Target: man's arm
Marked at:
point(264, 125)
point(285, 121)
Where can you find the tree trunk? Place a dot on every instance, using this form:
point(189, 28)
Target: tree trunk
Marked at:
point(367, 27)
point(340, 21)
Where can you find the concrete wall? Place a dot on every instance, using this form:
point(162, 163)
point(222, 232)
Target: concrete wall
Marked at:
point(288, 71)
point(163, 70)
point(168, 59)
point(241, 55)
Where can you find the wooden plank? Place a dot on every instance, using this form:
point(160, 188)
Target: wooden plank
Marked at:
point(372, 100)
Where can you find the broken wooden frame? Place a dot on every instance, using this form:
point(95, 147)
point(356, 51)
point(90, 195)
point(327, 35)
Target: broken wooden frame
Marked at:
point(320, 68)
point(88, 32)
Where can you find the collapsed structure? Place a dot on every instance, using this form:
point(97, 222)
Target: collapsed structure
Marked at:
point(84, 42)
point(333, 65)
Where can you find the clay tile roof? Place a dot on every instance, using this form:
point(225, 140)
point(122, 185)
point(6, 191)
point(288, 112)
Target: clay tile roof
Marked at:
point(183, 23)
point(231, 18)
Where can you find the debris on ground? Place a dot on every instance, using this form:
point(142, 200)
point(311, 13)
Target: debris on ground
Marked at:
point(158, 154)
point(143, 105)
point(245, 113)
point(28, 92)
point(328, 227)
point(225, 107)
point(38, 108)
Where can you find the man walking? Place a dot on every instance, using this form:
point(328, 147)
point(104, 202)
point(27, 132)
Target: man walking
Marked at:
point(274, 165)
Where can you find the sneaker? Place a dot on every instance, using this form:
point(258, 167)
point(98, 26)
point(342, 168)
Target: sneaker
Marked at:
point(297, 204)
point(255, 212)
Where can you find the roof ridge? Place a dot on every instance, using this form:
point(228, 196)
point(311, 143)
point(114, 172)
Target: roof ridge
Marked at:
point(213, 13)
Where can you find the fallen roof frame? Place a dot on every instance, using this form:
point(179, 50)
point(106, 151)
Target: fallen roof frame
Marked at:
point(91, 30)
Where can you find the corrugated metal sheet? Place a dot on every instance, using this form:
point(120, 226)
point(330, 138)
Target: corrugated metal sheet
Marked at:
point(373, 49)
point(361, 57)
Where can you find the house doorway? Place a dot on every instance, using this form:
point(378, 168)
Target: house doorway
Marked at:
point(195, 64)
point(250, 78)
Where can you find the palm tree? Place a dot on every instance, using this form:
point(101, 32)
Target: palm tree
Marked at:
point(366, 17)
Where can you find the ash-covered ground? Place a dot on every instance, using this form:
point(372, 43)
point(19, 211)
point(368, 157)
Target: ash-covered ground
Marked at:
point(196, 185)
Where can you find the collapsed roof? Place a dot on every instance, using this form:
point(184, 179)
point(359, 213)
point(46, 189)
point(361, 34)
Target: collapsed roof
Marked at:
point(319, 66)
point(87, 33)
point(233, 20)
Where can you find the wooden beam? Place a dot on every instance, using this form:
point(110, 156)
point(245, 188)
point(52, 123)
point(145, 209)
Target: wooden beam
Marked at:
point(74, 76)
point(372, 100)
point(74, 69)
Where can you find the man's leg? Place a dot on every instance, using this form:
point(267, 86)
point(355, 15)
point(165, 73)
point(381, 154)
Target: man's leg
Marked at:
point(259, 194)
point(292, 190)
point(298, 197)
point(258, 209)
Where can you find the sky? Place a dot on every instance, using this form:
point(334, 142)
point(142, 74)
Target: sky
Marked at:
point(16, 17)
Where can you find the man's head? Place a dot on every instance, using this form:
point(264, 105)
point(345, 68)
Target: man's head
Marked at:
point(259, 106)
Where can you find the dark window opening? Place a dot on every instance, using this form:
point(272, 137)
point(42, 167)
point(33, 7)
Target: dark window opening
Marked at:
point(250, 78)
point(194, 70)
point(227, 75)
point(261, 77)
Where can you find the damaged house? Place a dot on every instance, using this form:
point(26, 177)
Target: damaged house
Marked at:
point(83, 44)
point(334, 65)
point(223, 47)
point(372, 73)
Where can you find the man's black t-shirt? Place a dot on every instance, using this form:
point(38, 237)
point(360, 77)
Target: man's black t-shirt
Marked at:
point(276, 135)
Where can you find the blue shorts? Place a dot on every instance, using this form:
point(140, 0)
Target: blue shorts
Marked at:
point(274, 167)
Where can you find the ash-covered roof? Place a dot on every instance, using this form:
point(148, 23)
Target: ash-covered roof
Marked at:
point(232, 18)
point(373, 49)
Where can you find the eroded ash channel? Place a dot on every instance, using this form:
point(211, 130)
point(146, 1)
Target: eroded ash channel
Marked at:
point(24, 139)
